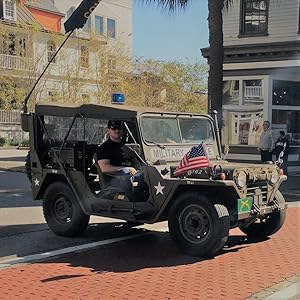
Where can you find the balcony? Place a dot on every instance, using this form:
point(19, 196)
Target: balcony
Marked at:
point(252, 94)
point(12, 62)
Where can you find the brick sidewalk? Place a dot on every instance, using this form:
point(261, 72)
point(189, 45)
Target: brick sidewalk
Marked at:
point(150, 267)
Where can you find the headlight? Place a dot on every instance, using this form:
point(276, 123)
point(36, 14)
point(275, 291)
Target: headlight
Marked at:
point(274, 176)
point(241, 179)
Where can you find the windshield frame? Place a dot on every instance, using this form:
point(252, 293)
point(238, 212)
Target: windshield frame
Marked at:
point(177, 118)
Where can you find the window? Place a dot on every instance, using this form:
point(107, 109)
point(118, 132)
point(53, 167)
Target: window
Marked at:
point(9, 10)
point(52, 95)
point(22, 47)
point(231, 92)
point(84, 57)
point(290, 120)
point(286, 93)
point(8, 44)
point(85, 98)
point(299, 19)
point(87, 25)
point(254, 17)
point(253, 93)
point(111, 28)
point(99, 25)
point(51, 48)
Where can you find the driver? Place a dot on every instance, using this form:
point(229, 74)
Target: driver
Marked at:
point(114, 161)
point(111, 155)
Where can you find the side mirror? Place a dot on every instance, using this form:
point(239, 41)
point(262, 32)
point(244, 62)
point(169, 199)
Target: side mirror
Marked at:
point(25, 121)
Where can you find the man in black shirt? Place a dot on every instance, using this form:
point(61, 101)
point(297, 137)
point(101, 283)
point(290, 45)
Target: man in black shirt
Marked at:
point(113, 161)
point(282, 150)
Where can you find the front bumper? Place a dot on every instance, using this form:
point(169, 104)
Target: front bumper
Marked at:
point(257, 211)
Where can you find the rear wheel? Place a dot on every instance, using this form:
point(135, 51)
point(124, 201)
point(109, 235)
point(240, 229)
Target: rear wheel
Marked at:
point(198, 226)
point(268, 225)
point(62, 212)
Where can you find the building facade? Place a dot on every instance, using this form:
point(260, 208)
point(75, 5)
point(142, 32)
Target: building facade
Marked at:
point(32, 31)
point(261, 74)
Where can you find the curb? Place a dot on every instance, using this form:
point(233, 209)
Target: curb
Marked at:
point(288, 289)
point(13, 169)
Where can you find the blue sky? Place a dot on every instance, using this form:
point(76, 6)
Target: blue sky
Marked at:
point(160, 35)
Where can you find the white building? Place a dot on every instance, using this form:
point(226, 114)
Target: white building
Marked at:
point(24, 54)
point(261, 75)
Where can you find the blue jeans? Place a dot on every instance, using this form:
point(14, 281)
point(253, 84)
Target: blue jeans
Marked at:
point(124, 181)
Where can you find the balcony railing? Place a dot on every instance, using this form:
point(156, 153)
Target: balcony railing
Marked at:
point(253, 92)
point(250, 92)
point(15, 62)
point(10, 116)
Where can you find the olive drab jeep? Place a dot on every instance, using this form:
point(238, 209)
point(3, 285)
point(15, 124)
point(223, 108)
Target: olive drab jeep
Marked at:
point(200, 205)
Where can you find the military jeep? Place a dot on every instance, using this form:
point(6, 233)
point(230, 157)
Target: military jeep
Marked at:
point(200, 206)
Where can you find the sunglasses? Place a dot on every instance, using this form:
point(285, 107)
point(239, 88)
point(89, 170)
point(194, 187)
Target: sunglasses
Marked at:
point(116, 127)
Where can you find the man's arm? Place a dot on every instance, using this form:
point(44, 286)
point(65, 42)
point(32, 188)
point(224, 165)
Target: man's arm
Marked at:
point(106, 167)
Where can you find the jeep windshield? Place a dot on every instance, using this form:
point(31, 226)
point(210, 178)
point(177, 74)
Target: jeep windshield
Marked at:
point(177, 130)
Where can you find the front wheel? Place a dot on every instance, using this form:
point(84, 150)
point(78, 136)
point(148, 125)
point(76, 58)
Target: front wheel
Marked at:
point(62, 212)
point(268, 225)
point(198, 226)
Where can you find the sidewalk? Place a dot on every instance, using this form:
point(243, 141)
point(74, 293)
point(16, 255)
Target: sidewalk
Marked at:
point(150, 267)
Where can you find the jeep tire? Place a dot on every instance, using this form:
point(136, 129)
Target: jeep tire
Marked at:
point(197, 225)
point(268, 225)
point(62, 212)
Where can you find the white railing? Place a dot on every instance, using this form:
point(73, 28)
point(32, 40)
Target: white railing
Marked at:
point(10, 116)
point(253, 92)
point(15, 62)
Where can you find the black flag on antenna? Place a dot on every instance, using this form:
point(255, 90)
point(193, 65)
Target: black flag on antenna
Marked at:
point(81, 14)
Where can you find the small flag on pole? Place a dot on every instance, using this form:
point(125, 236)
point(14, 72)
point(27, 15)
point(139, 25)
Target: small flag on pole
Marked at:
point(81, 14)
point(196, 158)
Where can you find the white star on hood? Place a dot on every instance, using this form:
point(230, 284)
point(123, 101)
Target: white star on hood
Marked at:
point(159, 188)
point(36, 182)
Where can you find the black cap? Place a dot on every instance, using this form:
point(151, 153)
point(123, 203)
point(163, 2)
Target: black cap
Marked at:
point(114, 124)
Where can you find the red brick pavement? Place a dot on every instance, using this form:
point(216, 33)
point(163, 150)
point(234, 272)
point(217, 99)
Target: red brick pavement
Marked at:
point(150, 267)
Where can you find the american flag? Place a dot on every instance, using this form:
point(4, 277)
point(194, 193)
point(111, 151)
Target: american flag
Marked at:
point(196, 158)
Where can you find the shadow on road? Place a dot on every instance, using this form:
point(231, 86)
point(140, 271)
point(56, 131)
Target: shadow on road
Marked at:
point(154, 250)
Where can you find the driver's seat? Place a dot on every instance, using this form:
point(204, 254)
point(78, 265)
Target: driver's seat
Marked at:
point(102, 180)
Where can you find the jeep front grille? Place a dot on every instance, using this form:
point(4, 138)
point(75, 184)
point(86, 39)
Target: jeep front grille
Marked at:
point(262, 186)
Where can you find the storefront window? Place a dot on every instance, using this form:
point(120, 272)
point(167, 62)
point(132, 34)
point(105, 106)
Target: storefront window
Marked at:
point(289, 121)
point(286, 93)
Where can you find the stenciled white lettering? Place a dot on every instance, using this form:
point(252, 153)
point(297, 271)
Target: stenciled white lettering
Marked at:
point(88, 13)
point(168, 153)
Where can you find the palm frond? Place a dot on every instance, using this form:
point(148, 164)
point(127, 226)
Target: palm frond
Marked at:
point(170, 5)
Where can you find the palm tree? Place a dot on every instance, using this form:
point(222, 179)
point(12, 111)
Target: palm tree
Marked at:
point(216, 52)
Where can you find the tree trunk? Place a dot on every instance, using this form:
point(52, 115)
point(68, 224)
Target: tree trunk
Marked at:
point(216, 53)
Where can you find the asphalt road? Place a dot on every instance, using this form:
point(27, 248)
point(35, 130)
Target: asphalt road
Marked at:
point(23, 230)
